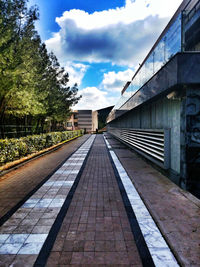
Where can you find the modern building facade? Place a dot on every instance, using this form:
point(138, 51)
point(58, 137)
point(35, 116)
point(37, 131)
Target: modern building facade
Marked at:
point(158, 113)
point(83, 119)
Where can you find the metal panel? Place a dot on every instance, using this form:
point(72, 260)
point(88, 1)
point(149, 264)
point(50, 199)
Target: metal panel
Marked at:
point(152, 143)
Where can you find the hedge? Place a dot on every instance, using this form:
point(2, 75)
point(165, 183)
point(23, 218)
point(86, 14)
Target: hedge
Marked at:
point(15, 148)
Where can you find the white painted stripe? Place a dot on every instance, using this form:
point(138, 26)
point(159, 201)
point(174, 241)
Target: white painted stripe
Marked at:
point(159, 250)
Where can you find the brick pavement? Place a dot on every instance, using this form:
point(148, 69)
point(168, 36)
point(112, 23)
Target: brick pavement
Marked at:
point(176, 212)
point(96, 230)
point(15, 185)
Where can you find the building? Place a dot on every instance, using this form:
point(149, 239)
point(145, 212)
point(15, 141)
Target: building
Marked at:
point(102, 115)
point(83, 119)
point(72, 122)
point(158, 113)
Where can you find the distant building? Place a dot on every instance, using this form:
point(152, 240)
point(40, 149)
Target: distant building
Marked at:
point(72, 123)
point(83, 119)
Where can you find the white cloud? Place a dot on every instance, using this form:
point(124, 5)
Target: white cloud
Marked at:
point(96, 98)
point(93, 98)
point(133, 11)
point(121, 36)
point(115, 81)
point(76, 72)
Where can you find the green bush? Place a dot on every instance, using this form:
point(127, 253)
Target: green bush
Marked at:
point(13, 148)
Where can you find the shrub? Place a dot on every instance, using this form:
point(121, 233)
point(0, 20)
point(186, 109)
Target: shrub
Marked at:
point(14, 148)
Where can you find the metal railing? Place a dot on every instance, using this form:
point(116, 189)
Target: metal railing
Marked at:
point(154, 144)
point(13, 131)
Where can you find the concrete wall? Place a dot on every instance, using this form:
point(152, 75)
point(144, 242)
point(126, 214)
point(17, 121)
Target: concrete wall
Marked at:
point(160, 114)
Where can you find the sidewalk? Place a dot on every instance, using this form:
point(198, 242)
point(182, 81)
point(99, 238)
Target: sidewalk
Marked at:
point(96, 229)
point(176, 212)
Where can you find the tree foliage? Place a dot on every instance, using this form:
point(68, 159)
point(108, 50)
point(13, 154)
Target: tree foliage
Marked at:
point(32, 83)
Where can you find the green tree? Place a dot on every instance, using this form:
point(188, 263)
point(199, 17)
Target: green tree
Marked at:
point(60, 96)
point(33, 86)
point(16, 32)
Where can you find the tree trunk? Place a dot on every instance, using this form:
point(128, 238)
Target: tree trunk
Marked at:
point(37, 126)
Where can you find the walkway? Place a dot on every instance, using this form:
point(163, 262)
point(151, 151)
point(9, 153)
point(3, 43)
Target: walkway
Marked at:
point(15, 185)
point(87, 213)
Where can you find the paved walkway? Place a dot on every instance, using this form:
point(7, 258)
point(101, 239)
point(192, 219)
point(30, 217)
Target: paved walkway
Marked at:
point(15, 185)
point(96, 229)
point(82, 215)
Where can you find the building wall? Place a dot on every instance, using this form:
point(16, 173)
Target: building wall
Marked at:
point(190, 140)
point(72, 122)
point(85, 120)
point(94, 120)
point(168, 97)
point(163, 113)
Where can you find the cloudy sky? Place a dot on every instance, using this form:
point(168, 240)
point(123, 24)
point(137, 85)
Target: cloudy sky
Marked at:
point(101, 43)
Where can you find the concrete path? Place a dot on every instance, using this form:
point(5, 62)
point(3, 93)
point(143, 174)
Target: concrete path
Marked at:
point(87, 212)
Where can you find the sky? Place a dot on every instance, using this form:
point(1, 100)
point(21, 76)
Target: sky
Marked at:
point(101, 43)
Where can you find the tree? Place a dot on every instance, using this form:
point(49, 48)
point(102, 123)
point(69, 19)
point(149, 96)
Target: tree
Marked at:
point(60, 95)
point(33, 86)
point(16, 32)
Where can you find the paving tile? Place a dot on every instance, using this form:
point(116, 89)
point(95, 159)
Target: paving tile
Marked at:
point(23, 229)
point(10, 248)
point(65, 258)
point(78, 245)
point(53, 259)
point(13, 221)
point(36, 238)
point(68, 245)
point(76, 258)
point(39, 229)
point(45, 222)
point(58, 246)
point(29, 222)
point(6, 260)
point(3, 238)
point(24, 260)
point(16, 238)
point(30, 248)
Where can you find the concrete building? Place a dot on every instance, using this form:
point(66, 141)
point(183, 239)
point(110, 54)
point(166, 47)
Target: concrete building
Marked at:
point(83, 119)
point(158, 113)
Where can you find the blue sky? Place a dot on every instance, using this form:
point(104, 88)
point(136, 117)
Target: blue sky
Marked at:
point(101, 43)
